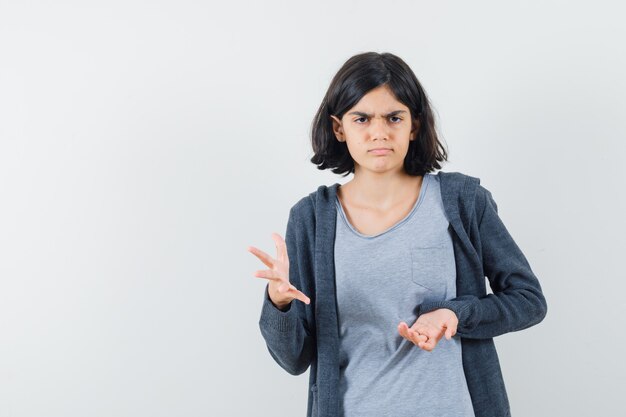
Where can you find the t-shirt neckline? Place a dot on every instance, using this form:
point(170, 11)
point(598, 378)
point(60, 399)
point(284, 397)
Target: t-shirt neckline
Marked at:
point(406, 218)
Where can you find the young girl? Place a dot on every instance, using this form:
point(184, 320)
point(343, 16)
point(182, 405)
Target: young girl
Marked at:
point(384, 266)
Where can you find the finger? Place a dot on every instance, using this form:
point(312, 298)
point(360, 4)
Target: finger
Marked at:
point(411, 334)
point(424, 345)
point(430, 344)
point(421, 330)
point(281, 248)
point(401, 327)
point(302, 297)
point(268, 274)
point(424, 336)
point(418, 337)
point(448, 333)
point(264, 257)
point(403, 330)
point(415, 335)
point(296, 293)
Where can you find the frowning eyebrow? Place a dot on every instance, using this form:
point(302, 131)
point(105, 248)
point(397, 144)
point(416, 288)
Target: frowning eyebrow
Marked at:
point(393, 113)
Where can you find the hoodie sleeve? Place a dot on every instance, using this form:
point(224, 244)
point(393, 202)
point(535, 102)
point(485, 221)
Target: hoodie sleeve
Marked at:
point(517, 301)
point(286, 332)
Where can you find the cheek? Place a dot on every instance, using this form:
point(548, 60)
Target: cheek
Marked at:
point(355, 150)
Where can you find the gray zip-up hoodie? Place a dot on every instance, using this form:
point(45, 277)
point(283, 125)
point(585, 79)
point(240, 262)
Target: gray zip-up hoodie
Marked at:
point(307, 335)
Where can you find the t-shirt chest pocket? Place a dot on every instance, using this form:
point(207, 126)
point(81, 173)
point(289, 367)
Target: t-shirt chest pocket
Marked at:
point(429, 270)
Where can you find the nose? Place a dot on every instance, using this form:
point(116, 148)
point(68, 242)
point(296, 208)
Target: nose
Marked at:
point(378, 129)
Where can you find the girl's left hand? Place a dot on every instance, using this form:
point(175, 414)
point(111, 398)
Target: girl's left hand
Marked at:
point(429, 328)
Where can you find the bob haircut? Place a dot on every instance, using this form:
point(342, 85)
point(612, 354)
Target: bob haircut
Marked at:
point(358, 75)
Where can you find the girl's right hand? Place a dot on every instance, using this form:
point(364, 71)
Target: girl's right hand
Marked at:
point(281, 292)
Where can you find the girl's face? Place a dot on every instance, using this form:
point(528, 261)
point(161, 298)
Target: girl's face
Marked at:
point(377, 121)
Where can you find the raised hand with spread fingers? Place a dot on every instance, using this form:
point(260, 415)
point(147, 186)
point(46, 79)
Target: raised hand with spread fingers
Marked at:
point(280, 290)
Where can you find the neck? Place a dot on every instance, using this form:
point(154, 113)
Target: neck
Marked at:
point(369, 189)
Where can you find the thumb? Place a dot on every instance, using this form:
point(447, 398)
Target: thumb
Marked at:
point(450, 329)
point(448, 332)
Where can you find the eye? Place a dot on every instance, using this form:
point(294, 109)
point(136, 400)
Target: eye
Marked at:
point(399, 119)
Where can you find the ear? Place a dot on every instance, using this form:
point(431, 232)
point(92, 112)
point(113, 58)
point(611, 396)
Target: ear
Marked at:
point(416, 128)
point(337, 128)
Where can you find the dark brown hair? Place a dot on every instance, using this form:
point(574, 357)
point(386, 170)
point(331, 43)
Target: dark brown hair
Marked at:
point(358, 75)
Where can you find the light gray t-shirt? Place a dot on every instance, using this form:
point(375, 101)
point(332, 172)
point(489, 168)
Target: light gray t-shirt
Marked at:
point(380, 280)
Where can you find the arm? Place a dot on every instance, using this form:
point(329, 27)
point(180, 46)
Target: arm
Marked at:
point(286, 331)
point(517, 301)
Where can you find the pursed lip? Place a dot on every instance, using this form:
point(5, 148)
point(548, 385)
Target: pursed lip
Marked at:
point(379, 149)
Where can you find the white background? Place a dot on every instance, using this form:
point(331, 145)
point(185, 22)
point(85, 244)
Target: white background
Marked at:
point(145, 144)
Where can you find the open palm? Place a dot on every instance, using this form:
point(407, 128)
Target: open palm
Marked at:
point(281, 291)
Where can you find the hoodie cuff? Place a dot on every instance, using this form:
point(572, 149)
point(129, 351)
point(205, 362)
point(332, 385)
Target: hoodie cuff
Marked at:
point(281, 320)
point(462, 309)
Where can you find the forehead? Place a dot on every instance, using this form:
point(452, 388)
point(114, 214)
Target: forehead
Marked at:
point(380, 99)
